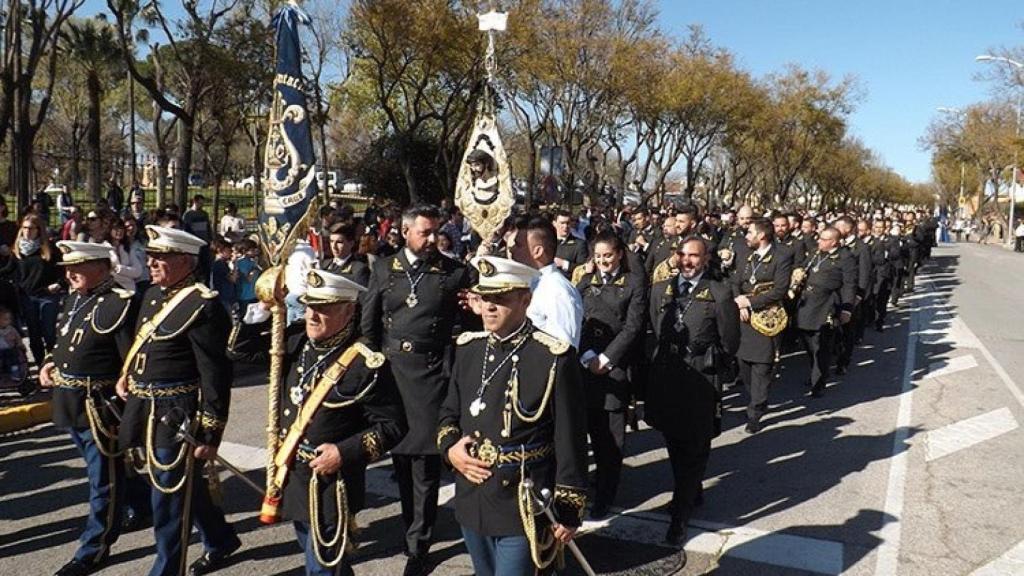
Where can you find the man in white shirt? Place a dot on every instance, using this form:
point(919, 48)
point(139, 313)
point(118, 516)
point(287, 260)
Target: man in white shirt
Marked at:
point(556, 307)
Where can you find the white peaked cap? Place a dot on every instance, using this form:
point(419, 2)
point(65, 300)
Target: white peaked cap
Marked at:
point(171, 240)
point(327, 288)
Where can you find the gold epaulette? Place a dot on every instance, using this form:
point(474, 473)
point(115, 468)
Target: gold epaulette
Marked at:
point(663, 272)
point(557, 346)
point(205, 292)
point(373, 359)
point(467, 337)
point(578, 274)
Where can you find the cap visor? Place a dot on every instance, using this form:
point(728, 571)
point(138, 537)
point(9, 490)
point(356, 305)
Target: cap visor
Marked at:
point(307, 301)
point(488, 290)
point(82, 261)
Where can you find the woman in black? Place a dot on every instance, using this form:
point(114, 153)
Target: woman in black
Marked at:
point(38, 284)
point(614, 305)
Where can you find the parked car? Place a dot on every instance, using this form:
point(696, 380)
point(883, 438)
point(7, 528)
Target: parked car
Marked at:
point(353, 186)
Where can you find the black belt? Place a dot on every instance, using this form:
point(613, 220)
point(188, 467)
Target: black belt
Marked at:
point(414, 346)
point(161, 390)
point(75, 382)
point(508, 455)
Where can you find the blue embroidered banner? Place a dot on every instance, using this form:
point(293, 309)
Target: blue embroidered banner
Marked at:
point(289, 176)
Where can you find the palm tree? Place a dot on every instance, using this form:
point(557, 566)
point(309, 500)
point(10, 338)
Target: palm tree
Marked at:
point(92, 48)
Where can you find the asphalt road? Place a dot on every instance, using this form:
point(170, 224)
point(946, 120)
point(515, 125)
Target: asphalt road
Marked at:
point(911, 464)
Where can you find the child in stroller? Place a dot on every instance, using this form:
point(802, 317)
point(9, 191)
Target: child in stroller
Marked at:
point(13, 356)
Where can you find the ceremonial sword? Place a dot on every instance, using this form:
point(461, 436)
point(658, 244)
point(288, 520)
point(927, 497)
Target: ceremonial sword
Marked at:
point(544, 501)
point(182, 434)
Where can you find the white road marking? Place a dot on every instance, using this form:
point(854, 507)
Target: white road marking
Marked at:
point(244, 457)
point(950, 366)
point(1009, 564)
point(889, 550)
point(1010, 384)
point(966, 433)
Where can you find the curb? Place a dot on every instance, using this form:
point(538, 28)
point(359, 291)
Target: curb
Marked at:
point(24, 416)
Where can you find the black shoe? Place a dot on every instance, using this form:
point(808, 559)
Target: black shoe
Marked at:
point(416, 565)
point(698, 500)
point(816, 392)
point(753, 427)
point(676, 535)
point(133, 521)
point(879, 328)
point(75, 568)
point(211, 561)
point(599, 511)
point(841, 370)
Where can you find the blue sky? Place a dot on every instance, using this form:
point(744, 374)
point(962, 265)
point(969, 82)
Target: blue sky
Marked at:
point(910, 56)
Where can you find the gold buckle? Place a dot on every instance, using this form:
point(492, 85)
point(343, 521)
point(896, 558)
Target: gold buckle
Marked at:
point(487, 452)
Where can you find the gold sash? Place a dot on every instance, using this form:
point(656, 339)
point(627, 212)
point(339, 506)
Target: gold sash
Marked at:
point(291, 441)
point(150, 326)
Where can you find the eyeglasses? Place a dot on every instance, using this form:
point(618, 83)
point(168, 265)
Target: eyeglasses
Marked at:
point(30, 228)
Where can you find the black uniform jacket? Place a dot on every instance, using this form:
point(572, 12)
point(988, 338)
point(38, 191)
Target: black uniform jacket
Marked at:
point(188, 348)
point(574, 251)
point(798, 247)
point(680, 399)
point(651, 234)
point(355, 268)
point(862, 261)
point(362, 415)
point(90, 345)
point(831, 286)
point(882, 256)
point(659, 251)
point(550, 390)
point(770, 276)
point(736, 242)
point(613, 324)
point(416, 340)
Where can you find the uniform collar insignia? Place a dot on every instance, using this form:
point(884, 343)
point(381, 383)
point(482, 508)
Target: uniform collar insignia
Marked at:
point(396, 264)
point(704, 294)
point(620, 281)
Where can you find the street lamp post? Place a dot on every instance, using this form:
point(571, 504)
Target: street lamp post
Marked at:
point(1013, 188)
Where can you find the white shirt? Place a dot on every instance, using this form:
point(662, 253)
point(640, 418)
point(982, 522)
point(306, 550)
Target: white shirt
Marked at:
point(693, 281)
point(1020, 230)
point(557, 307)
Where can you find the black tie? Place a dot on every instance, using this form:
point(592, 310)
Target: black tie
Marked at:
point(606, 277)
point(684, 297)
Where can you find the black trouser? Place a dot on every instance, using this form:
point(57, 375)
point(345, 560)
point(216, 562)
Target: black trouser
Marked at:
point(758, 377)
point(882, 303)
point(607, 430)
point(899, 285)
point(910, 275)
point(1018, 245)
point(866, 316)
point(847, 337)
point(419, 478)
point(818, 344)
point(689, 460)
